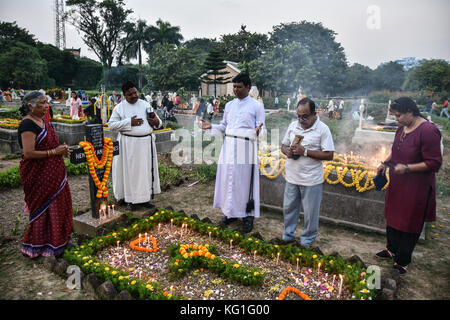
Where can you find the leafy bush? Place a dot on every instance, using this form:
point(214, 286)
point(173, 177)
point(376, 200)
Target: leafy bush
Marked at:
point(167, 174)
point(10, 178)
point(206, 172)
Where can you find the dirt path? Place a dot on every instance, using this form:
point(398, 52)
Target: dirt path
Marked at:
point(22, 278)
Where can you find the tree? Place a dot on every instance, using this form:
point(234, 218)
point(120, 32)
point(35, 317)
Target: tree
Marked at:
point(89, 73)
point(61, 64)
point(201, 45)
point(243, 46)
point(359, 79)
point(328, 57)
point(283, 69)
point(389, 76)
point(170, 68)
point(137, 36)
point(22, 67)
point(214, 66)
point(11, 33)
point(433, 75)
point(101, 24)
point(163, 33)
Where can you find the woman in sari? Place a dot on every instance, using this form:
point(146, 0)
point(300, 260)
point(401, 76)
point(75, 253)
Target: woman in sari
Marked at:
point(44, 180)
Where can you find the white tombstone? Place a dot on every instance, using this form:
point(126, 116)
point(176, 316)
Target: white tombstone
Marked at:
point(361, 112)
point(288, 103)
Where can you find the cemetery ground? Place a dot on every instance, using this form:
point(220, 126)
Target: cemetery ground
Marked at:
point(22, 278)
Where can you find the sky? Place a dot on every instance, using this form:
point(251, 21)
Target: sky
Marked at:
point(370, 31)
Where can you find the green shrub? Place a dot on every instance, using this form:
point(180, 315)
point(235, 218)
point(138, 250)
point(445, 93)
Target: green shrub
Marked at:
point(167, 174)
point(206, 172)
point(10, 178)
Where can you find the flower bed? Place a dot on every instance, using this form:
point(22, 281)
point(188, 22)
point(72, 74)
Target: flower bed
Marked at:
point(233, 253)
point(8, 123)
point(62, 118)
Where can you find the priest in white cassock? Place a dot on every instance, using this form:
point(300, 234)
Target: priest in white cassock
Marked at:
point(135, 170)
point(237, 179)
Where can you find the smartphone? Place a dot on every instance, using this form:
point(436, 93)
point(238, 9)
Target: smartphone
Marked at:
point(390, 164)
point(297, 140)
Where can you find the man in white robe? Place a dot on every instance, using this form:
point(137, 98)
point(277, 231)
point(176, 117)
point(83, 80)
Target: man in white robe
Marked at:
point(242, 122)
point(135, 176)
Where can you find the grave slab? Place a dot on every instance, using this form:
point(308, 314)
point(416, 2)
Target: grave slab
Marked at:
point(87, 225)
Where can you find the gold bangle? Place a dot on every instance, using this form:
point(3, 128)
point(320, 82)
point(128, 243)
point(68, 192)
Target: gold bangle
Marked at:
point(48, 155)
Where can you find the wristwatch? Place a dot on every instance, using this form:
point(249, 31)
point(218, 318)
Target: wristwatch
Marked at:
point(305, 154)
point(407, 169)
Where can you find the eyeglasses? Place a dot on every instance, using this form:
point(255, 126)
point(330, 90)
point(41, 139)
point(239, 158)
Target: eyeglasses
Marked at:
point(304, 117)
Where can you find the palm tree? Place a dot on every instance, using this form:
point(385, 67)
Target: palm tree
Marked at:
point(164, 33)
point(137, 37)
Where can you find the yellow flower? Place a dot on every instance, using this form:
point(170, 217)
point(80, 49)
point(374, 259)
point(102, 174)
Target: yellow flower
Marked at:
point(133, 282)
point(276, 246)
point(114, 234)
point(82, 247)
point(314, 256)
point(300, 254)
point(256, 273)
point(349, 266)
point(135, 226)
point(130, 269)
point(90, 261)
point(146, 220)
point(100, 240)
point(237, 235)
point(125, 230)
point(76, 252)
point(106, 269)
point(331, 261)
point(207, 293)
point(157, 213)
point(121, 277)
point(85, 258)
point(249, 239)
point(235, 265)
point(149, 287)
point(362, 282)
point(151, 218)
point(114, 273)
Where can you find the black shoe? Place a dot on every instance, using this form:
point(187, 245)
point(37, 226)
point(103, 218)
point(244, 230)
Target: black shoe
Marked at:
point(401, 269)
point(384, 254)
point(131, 207)
point(226, 221)
point(247, 225)
point(149, 205)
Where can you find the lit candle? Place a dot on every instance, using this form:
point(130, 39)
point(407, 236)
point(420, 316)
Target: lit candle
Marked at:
point(118, 244)
point(278, 257)
point(340, 285)
point(318, 270)
point(146, 238)
point(171, 223)
point(112, 209)
point(140, 238)
point(297, 264)
point(159, 226)
point(334, 277)
point(109, 211)
point(209, 236)
point(140, 274)
point(254, 255)
point(231, 244)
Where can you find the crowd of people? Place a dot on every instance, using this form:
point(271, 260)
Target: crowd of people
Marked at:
point(414, 160)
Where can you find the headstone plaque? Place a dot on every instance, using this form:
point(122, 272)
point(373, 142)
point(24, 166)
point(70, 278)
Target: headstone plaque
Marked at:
point(94, 135)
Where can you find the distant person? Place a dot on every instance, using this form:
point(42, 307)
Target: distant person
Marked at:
point(209, 110)
point(75, 105)
point(276, 102)
point(433, 107)
point(445, 109)
point(330, 109)
point(341, 109)
point(44, 180)
point(201, 110)
point(428, 105)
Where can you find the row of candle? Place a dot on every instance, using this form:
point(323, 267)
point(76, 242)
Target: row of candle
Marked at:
point(105, 212)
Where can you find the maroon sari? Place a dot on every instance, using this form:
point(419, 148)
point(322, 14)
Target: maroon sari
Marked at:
point(47, 199)
point(411, 197)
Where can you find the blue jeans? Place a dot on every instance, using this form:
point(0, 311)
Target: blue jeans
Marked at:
point(445, 110)
point(310, 198)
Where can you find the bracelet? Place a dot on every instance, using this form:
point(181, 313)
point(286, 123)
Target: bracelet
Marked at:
point(305, 154)
point(48, 155)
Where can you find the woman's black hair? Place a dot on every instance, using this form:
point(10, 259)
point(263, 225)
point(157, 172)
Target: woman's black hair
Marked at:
point(30, 98)
point(404, 105)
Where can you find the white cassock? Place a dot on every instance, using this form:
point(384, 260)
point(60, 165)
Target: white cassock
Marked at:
point(132, 168)
point(232, 190)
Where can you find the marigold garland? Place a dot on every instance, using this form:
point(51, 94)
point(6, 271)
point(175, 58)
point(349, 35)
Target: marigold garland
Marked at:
point(287, 290)
point(135, 245)
point(199, 251)
point(94, 163)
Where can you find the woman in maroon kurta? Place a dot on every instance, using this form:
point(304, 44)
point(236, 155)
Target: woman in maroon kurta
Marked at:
point(44, 180)
point(411, 196)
